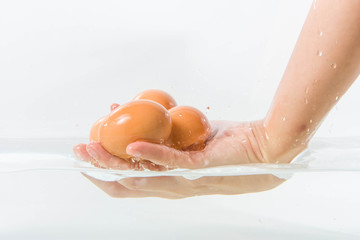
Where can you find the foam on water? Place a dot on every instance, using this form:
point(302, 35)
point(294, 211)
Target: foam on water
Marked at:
point(323, 155)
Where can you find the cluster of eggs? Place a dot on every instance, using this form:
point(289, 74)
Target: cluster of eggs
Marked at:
point(152, 116)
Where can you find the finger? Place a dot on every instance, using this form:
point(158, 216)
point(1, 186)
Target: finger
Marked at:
point(107, 160)
point(81, 154)
point(116, 190)
point(165, 156)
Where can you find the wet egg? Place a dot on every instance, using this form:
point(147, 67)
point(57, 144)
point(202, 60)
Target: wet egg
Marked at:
point(159, 96)
point(94, 132)
point(190, 128)
point(139, 120)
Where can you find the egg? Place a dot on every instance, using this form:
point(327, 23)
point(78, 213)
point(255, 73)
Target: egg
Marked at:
point(190, 128)
point(158, 96)
point(94, 132)
point(139, 120)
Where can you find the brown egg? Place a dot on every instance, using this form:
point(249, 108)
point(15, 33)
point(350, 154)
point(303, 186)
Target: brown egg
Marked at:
point(190, 128)
point(158, 96)
point(137, 120)
point(94, 132)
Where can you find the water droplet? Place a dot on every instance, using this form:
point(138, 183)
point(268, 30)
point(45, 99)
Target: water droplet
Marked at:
point(296, 140)
point(308, 131)
point(337, 98)
point(284, 118)
point(319, 53)
point(306, 101)
point(267, 135)
point(244, 140)
point(307, 90)
point(310, 121)
point(180, 115)
point(333, 65)
point(105, 124)
point(321, 33)
point(314, 4)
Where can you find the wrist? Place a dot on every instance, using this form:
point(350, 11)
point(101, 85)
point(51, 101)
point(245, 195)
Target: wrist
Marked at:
point(277, 147)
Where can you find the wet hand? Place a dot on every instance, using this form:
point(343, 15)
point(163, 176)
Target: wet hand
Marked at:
point(230, 143)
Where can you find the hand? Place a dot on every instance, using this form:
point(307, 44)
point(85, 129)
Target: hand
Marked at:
point(229, 143)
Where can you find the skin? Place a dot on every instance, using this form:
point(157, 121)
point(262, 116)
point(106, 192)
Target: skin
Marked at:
point(324, 64)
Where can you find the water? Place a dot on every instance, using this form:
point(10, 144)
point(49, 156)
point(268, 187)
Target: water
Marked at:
point(323, 155)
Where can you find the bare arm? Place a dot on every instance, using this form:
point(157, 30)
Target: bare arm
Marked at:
point(324, 64)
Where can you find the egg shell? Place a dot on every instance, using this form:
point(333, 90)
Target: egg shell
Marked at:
point(94, 132)
point(159, 96)
point(190, 128)
point(139, 120)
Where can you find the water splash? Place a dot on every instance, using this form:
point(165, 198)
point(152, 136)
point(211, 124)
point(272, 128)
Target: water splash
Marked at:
point(323, 155)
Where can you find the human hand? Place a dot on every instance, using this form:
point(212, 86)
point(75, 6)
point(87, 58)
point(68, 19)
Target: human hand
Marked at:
point(230, 143)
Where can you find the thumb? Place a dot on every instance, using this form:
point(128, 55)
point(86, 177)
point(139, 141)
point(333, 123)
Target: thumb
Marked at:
point(166, 156)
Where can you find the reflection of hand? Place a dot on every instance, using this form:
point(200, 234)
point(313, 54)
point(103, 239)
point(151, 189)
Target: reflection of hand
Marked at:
point(179, 187)
point(230, 143)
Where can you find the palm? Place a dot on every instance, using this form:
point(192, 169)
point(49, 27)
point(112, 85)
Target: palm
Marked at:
point(229, 143)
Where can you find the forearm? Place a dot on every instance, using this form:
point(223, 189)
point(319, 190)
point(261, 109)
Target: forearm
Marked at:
point(324, 64)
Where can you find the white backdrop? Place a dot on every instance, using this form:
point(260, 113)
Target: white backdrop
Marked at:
point(63, 63)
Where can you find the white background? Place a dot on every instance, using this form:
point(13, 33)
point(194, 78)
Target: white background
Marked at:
point(62, 63)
